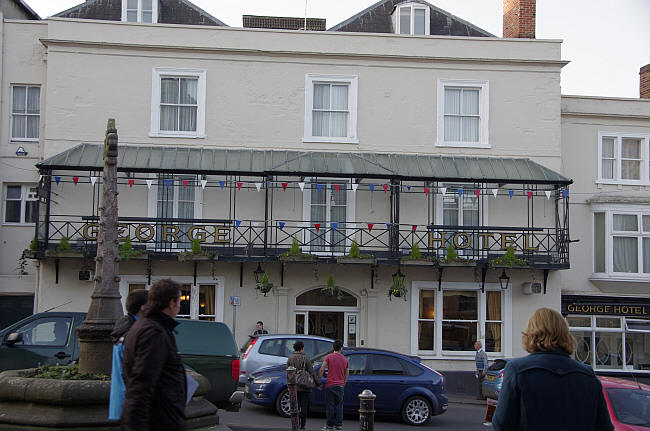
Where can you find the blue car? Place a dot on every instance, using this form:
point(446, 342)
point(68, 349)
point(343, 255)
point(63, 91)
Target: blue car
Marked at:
point(494, 379)
point(403, 386)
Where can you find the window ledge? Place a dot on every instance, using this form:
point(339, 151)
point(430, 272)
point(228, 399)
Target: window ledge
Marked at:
point(23, 140)
point(314, 140)
point(173, 135)
point(19, 224)
point(602, 279)
point(623, 182)
point(463, 145)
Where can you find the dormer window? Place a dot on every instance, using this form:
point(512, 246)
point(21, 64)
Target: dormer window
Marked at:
point(145, 11)
point(412, 18)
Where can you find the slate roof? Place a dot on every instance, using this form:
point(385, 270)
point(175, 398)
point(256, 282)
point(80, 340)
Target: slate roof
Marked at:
point(28, 10)
point(169, 12)
point(248, 162)
point(377, 19)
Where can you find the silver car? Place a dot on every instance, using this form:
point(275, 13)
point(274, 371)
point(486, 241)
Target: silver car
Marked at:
point(264, 350)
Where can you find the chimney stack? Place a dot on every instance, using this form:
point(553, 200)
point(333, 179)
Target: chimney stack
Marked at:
point(644, 82)
point(519, 19)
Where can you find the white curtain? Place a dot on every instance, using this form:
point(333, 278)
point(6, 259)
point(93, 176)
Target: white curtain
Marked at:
point(630, 149)
point(646, 255)
point(461, 115)
point(330, 110)
point(178, 104)
point(405, 20)
point(608, 157)
point(625, 254)
point(34, 108)
point(318, 215)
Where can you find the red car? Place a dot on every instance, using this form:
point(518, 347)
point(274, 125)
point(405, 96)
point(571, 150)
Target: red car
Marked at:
point(628, 403)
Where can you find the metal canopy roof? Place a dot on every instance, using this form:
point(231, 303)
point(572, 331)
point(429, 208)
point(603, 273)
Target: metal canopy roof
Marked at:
point(248, 162)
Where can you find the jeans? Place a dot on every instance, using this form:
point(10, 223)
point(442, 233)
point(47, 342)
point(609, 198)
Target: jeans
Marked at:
point(481, 377)
point(334, 407)
point(303, 406)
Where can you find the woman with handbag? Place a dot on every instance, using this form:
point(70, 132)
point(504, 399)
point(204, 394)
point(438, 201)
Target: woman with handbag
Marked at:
point(306, 379)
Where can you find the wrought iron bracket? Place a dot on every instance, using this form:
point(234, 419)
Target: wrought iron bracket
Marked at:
point(545, 279)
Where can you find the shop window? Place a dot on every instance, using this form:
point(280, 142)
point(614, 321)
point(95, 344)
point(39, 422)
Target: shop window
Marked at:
point(611, 343)
point(623, 159)
point(622, 242)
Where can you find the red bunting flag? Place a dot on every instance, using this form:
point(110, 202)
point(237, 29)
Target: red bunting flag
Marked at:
point(317, 226)
point(477, 192)
point(76, 180)
point(185, 183)
point(370, 225)
point(239, 184)
point(131, 182)
point(530, 194)
point(385, 188)
point(426, 191)
point(284, 186)
point(415, 227)
point(336, 187)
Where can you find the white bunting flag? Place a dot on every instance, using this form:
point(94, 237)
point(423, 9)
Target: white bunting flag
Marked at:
point(93, 180)
point(302, 186)
point(494, 192)
point(149, 183)
point(40, 177)
point(203, 183)
point(258, 186)
point(548, 194)
point(354, 187)
point(256, 224)
point(443, 190)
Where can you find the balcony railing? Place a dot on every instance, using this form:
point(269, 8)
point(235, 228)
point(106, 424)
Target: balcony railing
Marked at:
point(546, 247)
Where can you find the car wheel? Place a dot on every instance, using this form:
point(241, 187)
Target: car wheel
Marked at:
point(416, 411)
point(283, 404)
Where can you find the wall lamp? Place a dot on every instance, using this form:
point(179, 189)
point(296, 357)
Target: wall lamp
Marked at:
point(503, 280)
point(259, 273)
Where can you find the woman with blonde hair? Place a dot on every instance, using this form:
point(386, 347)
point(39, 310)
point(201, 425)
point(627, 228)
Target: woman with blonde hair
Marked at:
point(548, 390)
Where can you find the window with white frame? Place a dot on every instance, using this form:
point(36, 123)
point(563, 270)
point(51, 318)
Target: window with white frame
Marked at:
point(25, 112)
point(463, 116)
point(460, 208)
point(21, 203)
point(622, 241)
point(611, 342)
point(412, 18)
point(623, 158)
point(331, 108)
point(144, 11)
point(452, 319)
point(178, 102)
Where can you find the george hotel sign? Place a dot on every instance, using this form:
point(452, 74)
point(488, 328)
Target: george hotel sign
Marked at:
point(144, 232)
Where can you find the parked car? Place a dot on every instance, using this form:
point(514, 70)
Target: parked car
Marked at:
point(403, 386)
point(266, 350)
point(50, 338)
point(628, 403)
point(494, 379)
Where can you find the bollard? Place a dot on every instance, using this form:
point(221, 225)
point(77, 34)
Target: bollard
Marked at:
point(293, 397)
point(367, 410)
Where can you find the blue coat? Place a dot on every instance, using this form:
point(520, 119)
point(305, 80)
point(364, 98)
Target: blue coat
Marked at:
point(549, 391)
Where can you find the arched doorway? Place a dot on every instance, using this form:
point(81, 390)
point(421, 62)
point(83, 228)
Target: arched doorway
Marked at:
point(328, 316)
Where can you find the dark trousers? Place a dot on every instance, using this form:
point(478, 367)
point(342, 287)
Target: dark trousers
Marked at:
point(334, 407)
point(303, 406)
point(481, 377)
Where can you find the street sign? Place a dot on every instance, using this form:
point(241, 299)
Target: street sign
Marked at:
point(235, 301)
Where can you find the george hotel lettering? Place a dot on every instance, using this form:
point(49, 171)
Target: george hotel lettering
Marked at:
point(168, 233)
point(611, 309)
point(483, 240)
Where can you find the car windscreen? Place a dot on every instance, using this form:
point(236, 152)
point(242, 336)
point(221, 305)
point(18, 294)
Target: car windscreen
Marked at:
point(631, 406)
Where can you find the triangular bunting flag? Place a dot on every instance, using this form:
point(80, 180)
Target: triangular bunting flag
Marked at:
point(93, 180)
point(426, 191)
point(256, 224)
point(317, 226)
point(239, 184)
point(203, 183)
point(57, 179)
point(237, 223)
point(415, 227)
point(372, 187)
point(354, 187)
point(370, 225)
point(258, 186)
point(408, 188)
point(335, 224)
point(460, 191)
point(530, 194)
point(282, 225)
point(302, 186)
point(388, 226)
point(443, 190)
point(337, 187)
point(385, 188)
point(284, 186)
point(131, 182)
point(565, 193)
point(168, 182)
point(185, 183)
point(477, 192)
point(76, 180)
point(494, 192)
point(268, 184)
point(40, 177)
point(319, 187)
point(222, 183)
point(548, 194)
point(510, 193)
point(149, 183)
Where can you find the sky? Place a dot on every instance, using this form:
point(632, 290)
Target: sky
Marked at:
point(606, 41)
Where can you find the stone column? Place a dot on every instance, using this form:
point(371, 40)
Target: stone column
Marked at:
point(282, 293)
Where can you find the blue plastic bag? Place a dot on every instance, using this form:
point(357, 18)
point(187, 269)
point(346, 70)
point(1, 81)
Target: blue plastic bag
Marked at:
point(117, 384)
